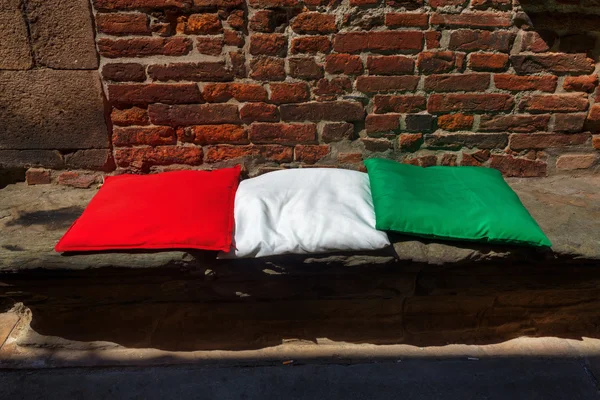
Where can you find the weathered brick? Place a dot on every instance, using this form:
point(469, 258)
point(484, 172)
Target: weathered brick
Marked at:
point(474, 159)
point(275, 153)
point(305, 68)
point(38, 176)
point(497, 4)
point(429, 160)
point(410, 141)
point(142, 94)
point(77, 179)
point(444, 103)
point(289, 92)
point(129, 116)
point(212, 46)
point(554, 103)
point(377, 144)
point(330, 89)
point(145, 157)
point(193, 114)
point(199, 72)
point(435, 62)
point(471, 40)
point(586, 83)
point(377, 124)
point(214, 134)
point(223, 92)
point(390, 65)
point(238, 64)
point(273, 3)
point(136, 4)
point(343, 64)
point(576, 161)
point(593, 120)
point(569, 122)
point(218, 3)
point(406, 4)
point(147, 135)
point(518, 167)
point(455, 141)
point(259, 112)
point(233, 38)
point(457, 83)
point(374, 84)
point(311, 45)
point(398, 104)
point(127, 72)
point(283, 133)
point(455, 122)
point(203, 24)
point(236, 19)
point(142, 47)
point(349, 158)
point(596, 142)
point(264, 21)
point(314, 23)
point(432, 39)
point(400, 41)
point(535, 42)
point(420, 122)
point(514, 123)
point(472, 20)
point(363, 3)
point(446, 3)
point(310, 154)
point(338, 131)
point(538, 141)
point(122, 24)
point(270, 44)
point(407, 20)
point(576, 64)
point(518, 83)
point(330, 111)
point(488, 62)
point(267, 69)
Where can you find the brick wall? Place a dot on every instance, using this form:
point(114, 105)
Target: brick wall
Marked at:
point(285, 83)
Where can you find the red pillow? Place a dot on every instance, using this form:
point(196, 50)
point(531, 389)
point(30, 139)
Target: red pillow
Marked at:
point(182, 209)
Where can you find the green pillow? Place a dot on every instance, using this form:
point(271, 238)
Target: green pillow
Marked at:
point(454, 203)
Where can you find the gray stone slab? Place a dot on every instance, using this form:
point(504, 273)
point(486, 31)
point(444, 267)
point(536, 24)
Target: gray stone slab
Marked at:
point(50, 109)
point(512, 378)
point(14, 45)
point(62, 34)
point(31, 158)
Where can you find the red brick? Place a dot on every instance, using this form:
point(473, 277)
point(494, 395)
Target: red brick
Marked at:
point(376, 144)
point(455, 122)
point(593, 119)
point(382, 123)
point(275, 153)
point(145, 157)
point(331, 89)
point(538, 141)
point(259, 112)
point(374, 84)
point(429, 160)
point(410, 141)
point(193, 114)
point(586, 83)
point(518, 167)
point(475, 159)
point(38, 176)
point(283, 133)
point(449, 160)
point(399, 104)
point(136, 4)
point(444, 103)
point(238, 64)
point(214, 134)
point(312, 153)
point(267, 69)
point(141, 47)
point(329, 111)
point(363, 3)
point(498, 4)
point(518, 83)
point(569, 122)
point(343, 64)
point(289, 92)
point(472, 20)
point(445, 3)
point(199, 72)
point(534, 42)
point(576, 161)
point(127, 72)
point(488, 62)
point(314, 23)
point(273, 3)
point(212, 46)
point(203, 24)
point(218, 3)
point(236, 19)
point(336, 132)
point(455, 141)
point(401, 41)
point(349, 158)
point(432, 39)
point(151, 135)
point(233, 38)
point(311, 45)
point(407, 4)
point(554, 63)
point(596, 142)
point(223, 92)
point(77, 179)
point(469, 40)
point(390, 65)
point(141, 94)
point(129, 116)
point(263, 21)
point(122, 24)
point(270, 44)
point(514, 123)
point(457, 83)
point(554, 103)
point(406, 20)
point(435, 62)
point(305, 68)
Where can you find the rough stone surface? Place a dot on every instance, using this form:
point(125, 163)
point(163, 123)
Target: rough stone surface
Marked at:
point(14, 46)
point(49, 109)
point(62, 34)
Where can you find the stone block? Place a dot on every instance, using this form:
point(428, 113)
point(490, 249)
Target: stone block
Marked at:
point(14, 46)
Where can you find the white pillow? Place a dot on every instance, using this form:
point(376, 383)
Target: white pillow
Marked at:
point(305, 211)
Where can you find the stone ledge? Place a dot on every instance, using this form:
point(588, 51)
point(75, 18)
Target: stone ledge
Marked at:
point(33, 218)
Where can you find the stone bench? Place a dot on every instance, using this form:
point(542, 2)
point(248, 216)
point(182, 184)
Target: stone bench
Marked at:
point(418, 292)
